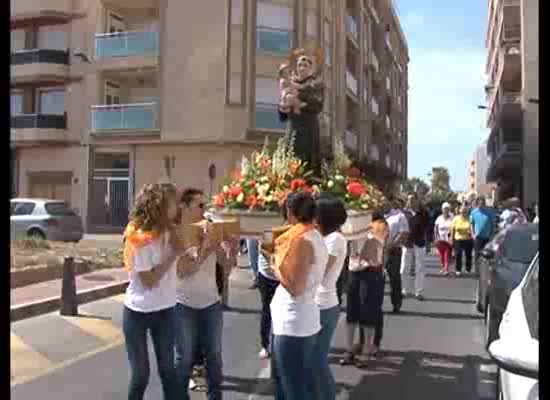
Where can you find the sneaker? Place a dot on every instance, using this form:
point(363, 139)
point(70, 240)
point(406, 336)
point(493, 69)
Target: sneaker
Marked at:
point(458, 273)
point(396, 309)
point(264, 354)
point(405, 294)
point(419, 297)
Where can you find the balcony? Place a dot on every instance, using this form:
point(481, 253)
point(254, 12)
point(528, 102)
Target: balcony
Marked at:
point(351, 83)
point(505, 160)
point(38, 128)
point(39, 65)
point(127, 50)
point(352, 28)
point(130, 118)
point(53, 10)
point(267, 117)
point(273, 41)
point(506, 107)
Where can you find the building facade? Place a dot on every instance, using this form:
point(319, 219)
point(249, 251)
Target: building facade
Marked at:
point(512, 98)
point(107, 95)
point(477, 175)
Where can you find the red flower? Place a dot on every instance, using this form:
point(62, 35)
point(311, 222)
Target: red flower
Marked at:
point(251, 201)
point(356, 189)
point(219, 201)
point(252, 183)
point(235, 191)
point(307, 189)
point(354, 172)
point(297, 184)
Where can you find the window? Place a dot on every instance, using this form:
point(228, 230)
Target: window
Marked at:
point(311, 26)
point(521, 245)
point(267, 91)
point(16, 100)
point(267, 104)
point(52, 37)
point(530, 297)
point(17, 40)
point(327, 38)
point(51, 101)
point(18, 209)
point(59, 209)
point(274, 41)
point(274, 24)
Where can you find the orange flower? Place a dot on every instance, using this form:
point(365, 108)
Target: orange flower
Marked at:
point(251, 201)
point(235, 191)
point(236, 175)
point(219, 201)
point(297, 184)
point(356, 189)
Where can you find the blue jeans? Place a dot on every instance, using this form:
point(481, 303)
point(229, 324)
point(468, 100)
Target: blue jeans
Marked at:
point(325, 384)
point(253, 253)
point(293, 360)
point(199, 331)
point(161, 325)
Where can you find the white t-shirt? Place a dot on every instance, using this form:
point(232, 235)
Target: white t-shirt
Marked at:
point(326, 293)
point(300, 316)
point(443, 226)
point(397, 224)
point(199, 290)
point(161, 297)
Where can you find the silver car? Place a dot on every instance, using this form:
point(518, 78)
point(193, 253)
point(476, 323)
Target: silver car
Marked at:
point(44, 219)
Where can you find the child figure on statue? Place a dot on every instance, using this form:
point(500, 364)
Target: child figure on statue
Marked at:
point(289, 91)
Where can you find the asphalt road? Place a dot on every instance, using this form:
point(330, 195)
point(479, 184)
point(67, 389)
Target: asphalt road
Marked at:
point(432, 350)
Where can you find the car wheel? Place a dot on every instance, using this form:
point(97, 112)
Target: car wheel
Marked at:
point(479, 306)
point(491, 325)
point(36, 234)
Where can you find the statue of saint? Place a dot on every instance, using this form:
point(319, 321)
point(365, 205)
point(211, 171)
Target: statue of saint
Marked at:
point(302, 99)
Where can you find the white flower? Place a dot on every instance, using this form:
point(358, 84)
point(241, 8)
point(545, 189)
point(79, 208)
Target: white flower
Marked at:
point(269, 198)
point(264, 179)
point(226, 189)
point(240, 198)
point(330, 184)
point(339, 177)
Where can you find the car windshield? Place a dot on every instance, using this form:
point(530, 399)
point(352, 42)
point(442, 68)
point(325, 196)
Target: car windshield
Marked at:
point(58, 209)
point(521, 245)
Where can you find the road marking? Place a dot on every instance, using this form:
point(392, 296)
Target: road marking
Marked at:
point(24, 360)
point(103, 329)
point(65, 364)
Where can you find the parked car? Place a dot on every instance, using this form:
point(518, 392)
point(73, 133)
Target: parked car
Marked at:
point(502, 266)
point(44, 219)
point(517, 351)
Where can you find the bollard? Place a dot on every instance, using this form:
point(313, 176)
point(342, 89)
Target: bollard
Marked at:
point(69, 302)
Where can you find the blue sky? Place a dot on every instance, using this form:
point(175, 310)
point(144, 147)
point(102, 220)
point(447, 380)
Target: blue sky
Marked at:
point(446, 79)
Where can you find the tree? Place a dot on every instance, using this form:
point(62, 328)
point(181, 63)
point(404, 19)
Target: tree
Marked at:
point(416, 185)
point(440, 179)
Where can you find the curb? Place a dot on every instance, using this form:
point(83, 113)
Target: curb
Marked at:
point(44, 306)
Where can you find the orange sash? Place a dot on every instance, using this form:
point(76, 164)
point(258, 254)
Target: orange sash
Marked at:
point(285, 242)
point(135, 239)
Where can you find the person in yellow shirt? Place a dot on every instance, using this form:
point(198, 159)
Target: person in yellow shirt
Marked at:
point(462, 240)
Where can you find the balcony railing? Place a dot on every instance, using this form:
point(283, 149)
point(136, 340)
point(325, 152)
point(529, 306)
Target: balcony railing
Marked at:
point(351, 82)
point(273, 41)
point(267, 117)
point(35, 56)
point(512, 32)
point(352, 27)
point(39, 121)
point(125, 117)
point(126, 44)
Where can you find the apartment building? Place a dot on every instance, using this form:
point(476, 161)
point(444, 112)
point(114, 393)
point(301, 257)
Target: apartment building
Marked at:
point(512, 98)
point(107, 95)
point(477, 174)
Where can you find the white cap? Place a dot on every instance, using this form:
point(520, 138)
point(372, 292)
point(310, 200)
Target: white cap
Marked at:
point(445, 205)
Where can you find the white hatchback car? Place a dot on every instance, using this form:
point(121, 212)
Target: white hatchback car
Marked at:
point(517, 350)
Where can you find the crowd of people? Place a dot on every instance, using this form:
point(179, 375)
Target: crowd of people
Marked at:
point(176, 292)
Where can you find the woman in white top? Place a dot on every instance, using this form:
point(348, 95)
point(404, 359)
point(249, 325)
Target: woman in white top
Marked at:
point(442, 237)
point(294, 312)
point(331, 215)
point(149, 256)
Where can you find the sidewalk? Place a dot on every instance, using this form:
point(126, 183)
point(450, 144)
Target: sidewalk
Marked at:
point(44, 297)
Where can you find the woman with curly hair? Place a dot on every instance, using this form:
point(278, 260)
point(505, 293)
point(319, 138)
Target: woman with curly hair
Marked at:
point(150, 258)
